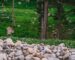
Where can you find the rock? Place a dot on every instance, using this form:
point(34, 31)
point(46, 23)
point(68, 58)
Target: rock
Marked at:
point(1, 42)
point(28, 57)
point(52, 58)
point(62, 45)
point(3, 56)
point(72, 55)
point(44, 59)
point(36, 58)
point(24, 51)
point(1, 48)
point(30, 50)
point(9, 41)
point(18, 43)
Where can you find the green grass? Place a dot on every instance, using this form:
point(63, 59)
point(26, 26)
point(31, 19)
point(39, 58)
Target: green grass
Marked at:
point(68, 43)
point(28, 20)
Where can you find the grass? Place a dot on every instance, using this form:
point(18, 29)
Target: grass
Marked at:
point(68, 43)
point(27, 19)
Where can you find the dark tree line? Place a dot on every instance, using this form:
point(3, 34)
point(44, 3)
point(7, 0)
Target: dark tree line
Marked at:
point(60, 17)
point(43, 17)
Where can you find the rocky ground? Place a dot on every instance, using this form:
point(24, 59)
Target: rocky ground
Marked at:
point(23, 51)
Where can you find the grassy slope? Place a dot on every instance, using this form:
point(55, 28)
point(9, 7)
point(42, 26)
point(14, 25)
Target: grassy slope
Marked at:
point(27, 19)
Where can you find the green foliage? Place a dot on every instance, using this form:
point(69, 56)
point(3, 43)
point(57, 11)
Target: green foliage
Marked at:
point(68, 43)
point(27, 24)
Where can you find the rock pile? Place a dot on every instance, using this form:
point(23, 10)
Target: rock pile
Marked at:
point(24, 51)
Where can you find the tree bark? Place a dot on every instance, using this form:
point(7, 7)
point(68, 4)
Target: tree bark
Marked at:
point(60, 17)
point(3, 7)
point(13, 17)
point(44, 21)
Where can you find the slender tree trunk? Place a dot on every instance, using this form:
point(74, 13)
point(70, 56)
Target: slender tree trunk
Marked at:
point(60, 17)
point(13, 17)
point(44, 21)
point(43, 18)
point(3, 7)
point(40, 11)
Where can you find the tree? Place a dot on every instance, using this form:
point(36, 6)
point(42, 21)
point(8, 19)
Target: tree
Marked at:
point(2, 6)
point(43, 17)
point(13, 17)
point(60, 13)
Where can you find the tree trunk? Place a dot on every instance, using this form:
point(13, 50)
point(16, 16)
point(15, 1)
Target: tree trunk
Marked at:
point(42, 10)
point(13, 17)
point(2, 7)
point(60, 17)
point(44, 21)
